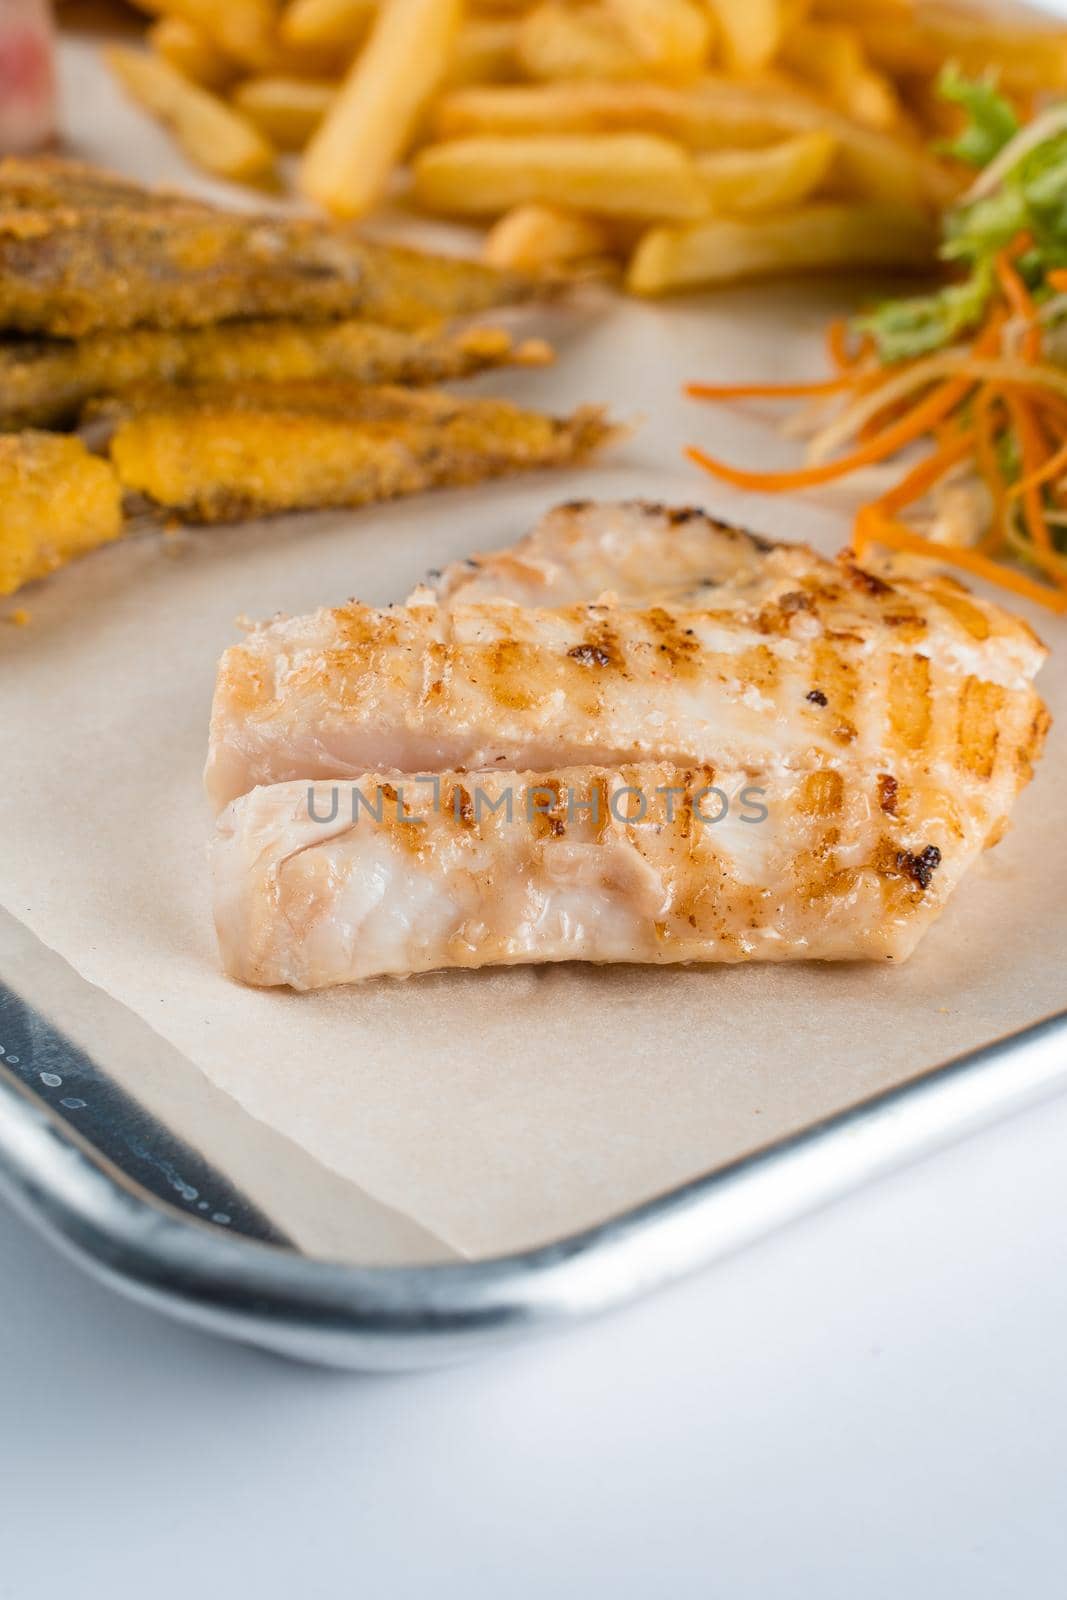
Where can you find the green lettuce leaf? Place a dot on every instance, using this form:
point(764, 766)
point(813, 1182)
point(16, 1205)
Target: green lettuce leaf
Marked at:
point(905, 328)
point(1031, 197)
point(991, 121)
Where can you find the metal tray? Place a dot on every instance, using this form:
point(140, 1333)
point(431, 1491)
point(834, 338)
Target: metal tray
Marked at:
point(99, 1176)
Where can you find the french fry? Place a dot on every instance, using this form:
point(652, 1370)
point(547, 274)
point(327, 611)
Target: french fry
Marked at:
point(557, 40)
point(870, 165)
point(741, 181)
point(612, 175)
point(334, 25)
point(348, 163)
point(241, 29)
point(826, 235)
point(211, 133)
point(191, 52)
point(750, 31)
point(706, 115)
point(832, 59)
point(710, 114)
point(485, 51)
point(673, 37)
point(534, 238)
point(287, 111)
point(1027, 50)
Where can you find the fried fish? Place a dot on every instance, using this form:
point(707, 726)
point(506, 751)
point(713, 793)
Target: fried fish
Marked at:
point(219, 454)
point(46, 382)
point(81, 252)
point(58, 502)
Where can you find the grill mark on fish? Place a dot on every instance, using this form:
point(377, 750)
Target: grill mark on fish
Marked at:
point(980, 706)
point(909, 701)
point(676, 644)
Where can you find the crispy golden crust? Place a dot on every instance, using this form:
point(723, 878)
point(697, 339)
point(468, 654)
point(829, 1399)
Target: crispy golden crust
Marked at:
point(214, 456)
point(81, 252)
point(57, 501)
point(46, 382)
point(52, 183)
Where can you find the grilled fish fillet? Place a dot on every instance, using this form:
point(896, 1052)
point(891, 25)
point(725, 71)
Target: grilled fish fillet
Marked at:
point(640, 553)
point(793, 682)
point(256, 449)
point(56, 502)
point(585, 864)
point(81, 252)
point(783, 842)
point(46, 382)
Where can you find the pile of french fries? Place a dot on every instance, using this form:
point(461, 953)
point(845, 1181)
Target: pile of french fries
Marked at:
point(679, 142)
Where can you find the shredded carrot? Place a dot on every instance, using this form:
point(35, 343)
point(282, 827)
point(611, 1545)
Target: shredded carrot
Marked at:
point(774, 391)
point(1057, 279)
point(966, 399)
point(986, 434)
point(1053, 467)
point(911, 427)
point(1034, 454)
point(915, 484)
point(843, 356)
point(1018, 295)
point(873, 528)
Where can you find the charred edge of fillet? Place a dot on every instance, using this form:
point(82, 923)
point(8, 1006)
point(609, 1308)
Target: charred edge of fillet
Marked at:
point(678, 516)
point(860, 577)
point(920, 868)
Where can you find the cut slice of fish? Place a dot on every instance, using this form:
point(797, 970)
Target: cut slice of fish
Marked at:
point(425, 689)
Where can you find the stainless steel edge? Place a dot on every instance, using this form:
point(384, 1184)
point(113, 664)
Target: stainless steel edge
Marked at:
point(407, 1317)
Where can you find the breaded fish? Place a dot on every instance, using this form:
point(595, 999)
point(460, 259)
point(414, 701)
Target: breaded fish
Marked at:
point(796, 680)
point(87, 253)
point(331, 883)
point(56, 502)
point(218, 454)
point(53, 183)
point(46, 382)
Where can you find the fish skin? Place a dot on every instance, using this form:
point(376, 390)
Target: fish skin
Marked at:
point(429, 878)
point(47, 382)
point(261, 449)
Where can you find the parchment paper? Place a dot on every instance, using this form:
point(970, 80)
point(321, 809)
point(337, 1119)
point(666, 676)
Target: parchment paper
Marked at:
point(495, 1110)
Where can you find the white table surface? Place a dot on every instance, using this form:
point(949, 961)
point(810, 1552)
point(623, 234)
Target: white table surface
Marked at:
point(870, 1404)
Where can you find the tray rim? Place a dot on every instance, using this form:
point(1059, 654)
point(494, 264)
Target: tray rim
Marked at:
point(406, 1317)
